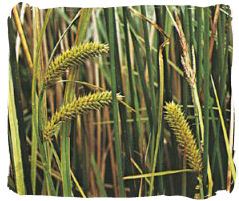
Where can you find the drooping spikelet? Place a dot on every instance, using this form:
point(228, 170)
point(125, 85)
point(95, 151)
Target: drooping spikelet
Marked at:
point(78, 106)
point(72, 58)
point(186, 58)
point(184, 137)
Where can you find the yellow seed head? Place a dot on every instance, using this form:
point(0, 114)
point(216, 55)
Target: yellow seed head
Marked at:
point(78, 106)
point(184, 137)
point(72, 58)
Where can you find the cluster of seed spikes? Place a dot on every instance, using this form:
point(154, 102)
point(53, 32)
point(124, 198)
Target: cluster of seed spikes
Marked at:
point(72, 58)
point(184, 137)
point(78, 106)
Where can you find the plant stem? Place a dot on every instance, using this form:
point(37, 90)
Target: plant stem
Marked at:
point(114, 99)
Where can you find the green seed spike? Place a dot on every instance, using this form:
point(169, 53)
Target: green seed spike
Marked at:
point(72, 58)
point(78, 106)
point(184, 137)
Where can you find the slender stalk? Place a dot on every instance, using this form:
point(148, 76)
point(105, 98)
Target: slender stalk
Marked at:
point(18, 39)
point(214, 28)
point(232, 120)
point(114, 100)
point(126, 139)
point(207, 96)
point(156, 174)
point(140, 68)
point(34, 112)
point(199, 52)
point(160, 113)
point(22, 36)
point(232, 167)
point(36, 104)
point(132, 83)
point(150, 67)
point(98, 178)
point(97, 82)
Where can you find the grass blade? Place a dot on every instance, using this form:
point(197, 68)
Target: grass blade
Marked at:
point(208, 104)
point(156, 174)
point(229, 154)
point(132, 83)
point(34, 109)
point(98, 178)
point(114, 99)
point(23, 39)
point(18, 104)
point(17, 155)
point(36, 118)
point(160, 113)
point(150, 68)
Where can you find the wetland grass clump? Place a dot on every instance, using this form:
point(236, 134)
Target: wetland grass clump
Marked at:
point(70, 134)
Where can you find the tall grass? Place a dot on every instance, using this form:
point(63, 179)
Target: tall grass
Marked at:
point(90, 101)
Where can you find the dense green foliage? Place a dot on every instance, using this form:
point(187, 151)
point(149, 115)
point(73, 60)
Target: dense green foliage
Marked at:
point(149, 55)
